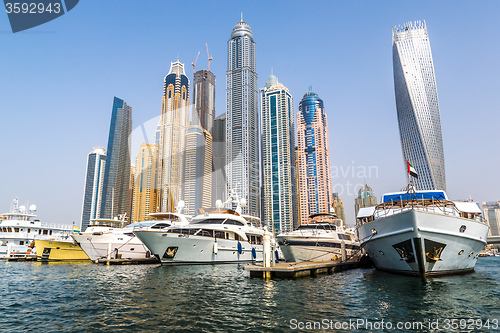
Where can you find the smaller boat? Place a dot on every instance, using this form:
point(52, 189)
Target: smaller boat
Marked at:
point(60, 249)
point(114, 238)
point(324, 239)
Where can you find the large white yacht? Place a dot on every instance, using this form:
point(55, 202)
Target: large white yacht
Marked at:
point(114, 239)
point(218, 235)
point(323, 239)
point(422, 233)
point(20, 227)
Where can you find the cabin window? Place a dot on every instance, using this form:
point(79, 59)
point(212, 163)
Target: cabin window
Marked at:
point(219, 234)
point(50, 232)
point(16, 229)
point(40, 231)
point(233, 222)
point(29, 230)
point(45, 232)
point(10, 229)
point(21, 242)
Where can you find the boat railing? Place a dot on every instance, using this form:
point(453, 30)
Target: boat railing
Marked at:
point(432, 205)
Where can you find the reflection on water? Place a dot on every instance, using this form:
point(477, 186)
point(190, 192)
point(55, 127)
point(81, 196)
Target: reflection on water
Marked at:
point(66, 297)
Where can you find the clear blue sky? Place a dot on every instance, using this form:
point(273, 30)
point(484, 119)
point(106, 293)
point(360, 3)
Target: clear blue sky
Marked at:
point(58, 81)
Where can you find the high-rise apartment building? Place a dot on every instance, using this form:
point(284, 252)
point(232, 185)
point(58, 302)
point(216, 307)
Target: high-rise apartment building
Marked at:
point(171, 134)
point(242, 149)
point(94, 178)
point(198, 155)
point(366, 198)
point(219, 159)
point(417, 105)
point(116, 192)
point(315, 184)
point(491, 212)
point(338, 206)
point(278, 156)
point(198, 174)
point(145, 190)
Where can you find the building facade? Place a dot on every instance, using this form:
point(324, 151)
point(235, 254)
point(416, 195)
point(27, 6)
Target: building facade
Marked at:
point(116, 194)
point(278, 156)
point(242, 149)
point(417, 105)
point(491, 212)
point(219, 159)
point(145, 191)
point(338, 207)
point(170, 136)
point(92, 194)
point(313, 151)
point(366, 198)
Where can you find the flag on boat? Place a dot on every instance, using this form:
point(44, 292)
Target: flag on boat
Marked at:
point(76, 229)
point(411, 170)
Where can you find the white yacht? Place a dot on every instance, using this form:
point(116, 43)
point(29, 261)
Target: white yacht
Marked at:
point(422, 233)
point(218, 235)
point(324, 239)
point(114, 239)
point(20, 227)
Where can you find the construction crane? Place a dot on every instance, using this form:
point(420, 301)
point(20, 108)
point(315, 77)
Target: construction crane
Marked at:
point(209, 57)
point(193, 63)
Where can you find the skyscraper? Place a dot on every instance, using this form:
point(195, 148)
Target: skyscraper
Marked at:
point(278, 156)
point(417, 105)
point(242, 149)
point(171, 133)
point(116, 194)
point(198, 156)
point(92, 195)
point(145, 180)
point(219, 159)
point(492, 215)
point(315, 184)
point(338, 206)
point(366, 198)
point(198, 174)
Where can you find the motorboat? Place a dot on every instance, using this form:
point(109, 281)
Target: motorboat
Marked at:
point(325, 238)
point(214, 236)
point(422, 233)
point(20, 228)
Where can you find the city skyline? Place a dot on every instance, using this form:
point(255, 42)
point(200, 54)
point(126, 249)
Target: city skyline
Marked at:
point(68, 60)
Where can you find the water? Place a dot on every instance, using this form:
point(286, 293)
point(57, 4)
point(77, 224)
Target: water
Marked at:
point(62, 297)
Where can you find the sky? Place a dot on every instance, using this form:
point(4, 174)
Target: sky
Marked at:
point(58, 80)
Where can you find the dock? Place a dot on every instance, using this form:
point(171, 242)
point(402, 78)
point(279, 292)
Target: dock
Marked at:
point(136, 261)
point(21, 257)
point(305, 268)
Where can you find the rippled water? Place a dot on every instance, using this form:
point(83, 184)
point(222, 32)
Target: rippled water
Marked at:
point(39, 297)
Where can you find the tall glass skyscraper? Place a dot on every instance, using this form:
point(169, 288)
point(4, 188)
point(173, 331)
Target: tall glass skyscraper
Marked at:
point(242, 149)
point(417, 105)
point(219, 159)
point(144, 201)
point(92, 195)
point(278, 156)
point(116, 191)
point(313, 152)
point(171, 134)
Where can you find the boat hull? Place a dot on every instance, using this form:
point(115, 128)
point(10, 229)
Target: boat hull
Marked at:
point(49, 250)
point(122, 246)
point(423, 243)
point(297, 249)
point(177, 249)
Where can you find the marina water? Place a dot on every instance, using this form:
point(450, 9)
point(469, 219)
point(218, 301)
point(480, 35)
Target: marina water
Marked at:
point(37, 297)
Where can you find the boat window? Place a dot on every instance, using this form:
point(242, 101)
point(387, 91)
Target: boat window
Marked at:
point(205, 232)
point(233, 222)
point(254, 239)
point(50, 232)
point(346, 237)
point(160, 226)
point(29, 230)
point(10, 229)
point(40, 231)
point(21, 242)
point(237, 237)
point(219, 234)
point(210, 221)
point(184, 231)
point(45, 232)
point(16, 229)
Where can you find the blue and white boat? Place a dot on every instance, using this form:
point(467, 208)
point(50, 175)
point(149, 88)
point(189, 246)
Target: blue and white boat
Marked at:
point(422, 233)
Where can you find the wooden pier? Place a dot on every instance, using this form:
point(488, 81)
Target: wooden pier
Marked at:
point(305, 268)
point(137, 261)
